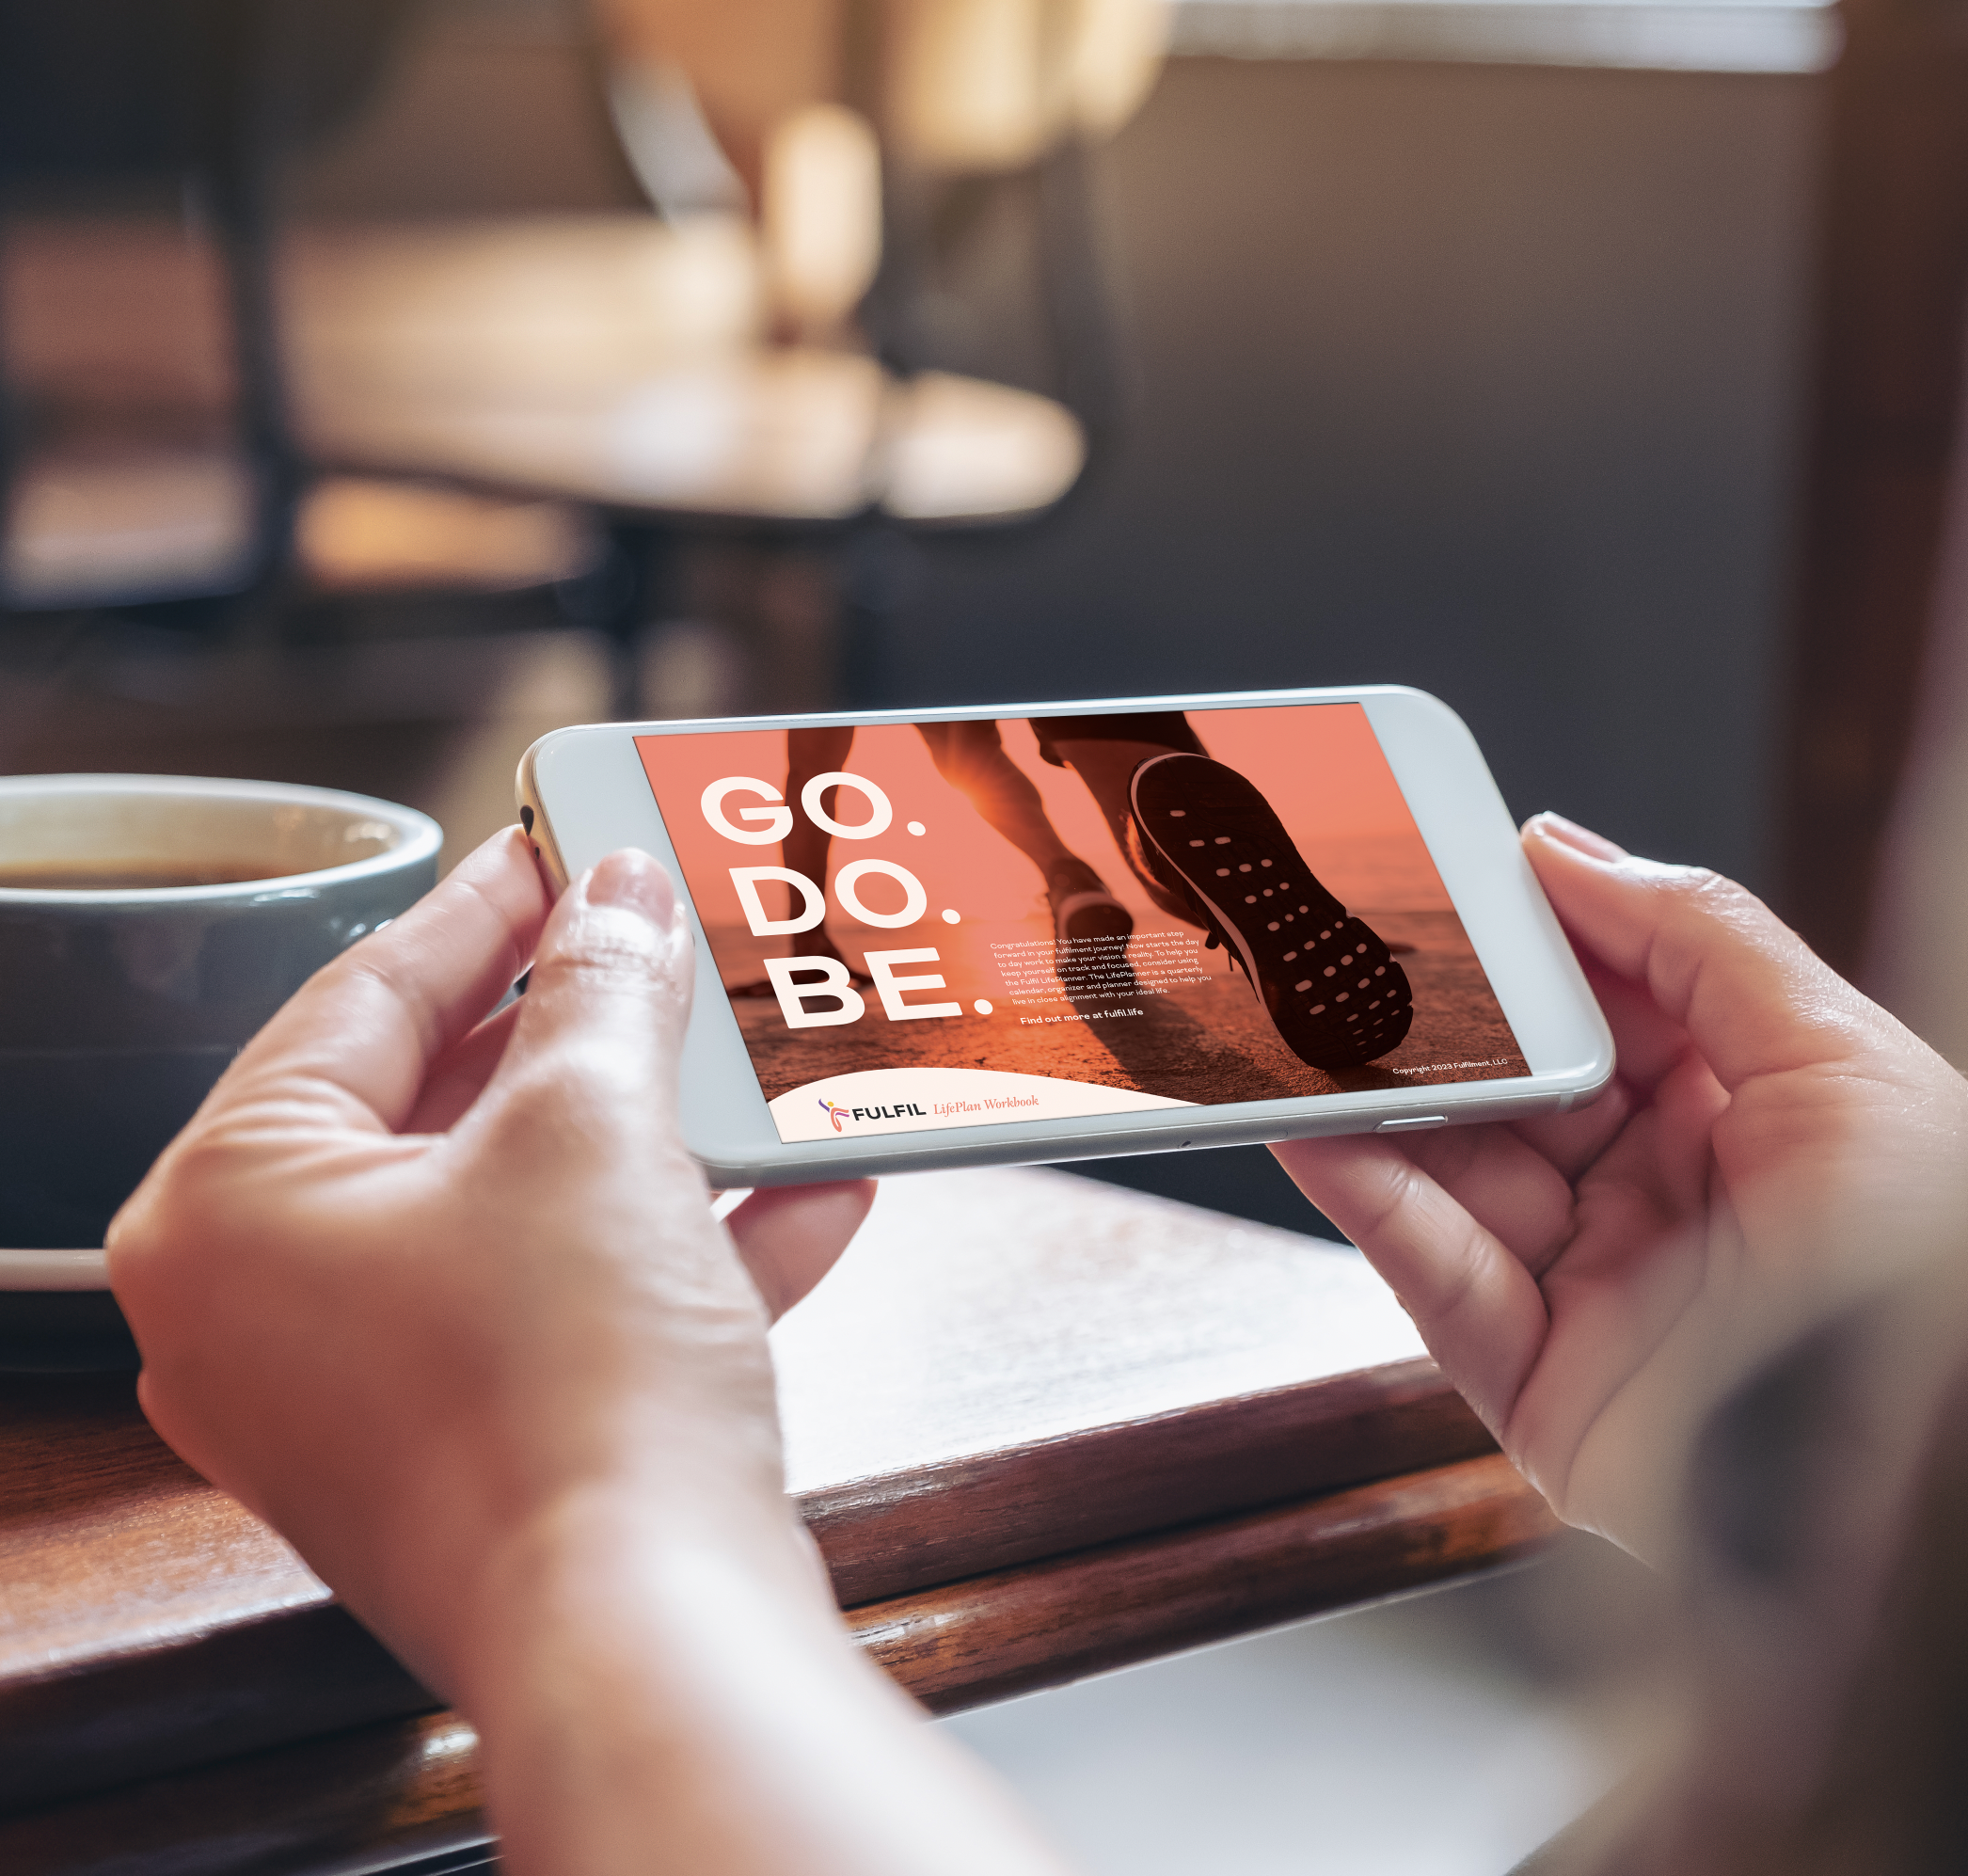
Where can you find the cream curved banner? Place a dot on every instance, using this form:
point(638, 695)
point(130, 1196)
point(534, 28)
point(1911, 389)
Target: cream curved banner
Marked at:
point(914, 1100)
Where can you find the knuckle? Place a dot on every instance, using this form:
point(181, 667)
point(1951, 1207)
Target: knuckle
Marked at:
point(600, 963)
point(1457, 1280)
point(1697, 886)
point(1718, 900)
point(184, 1210)
point(193, 1179)
point(606, 936)
point(587, 1088)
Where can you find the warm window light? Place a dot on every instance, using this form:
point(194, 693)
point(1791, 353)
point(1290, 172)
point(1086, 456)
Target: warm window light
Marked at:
point(988, 83)
point(966, 78)
point(1116, 55)
point(821, 215)
point(357, 533)
point(747, 62)
point(963, 84)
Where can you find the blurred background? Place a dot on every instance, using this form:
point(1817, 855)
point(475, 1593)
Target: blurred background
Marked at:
point(386, 384)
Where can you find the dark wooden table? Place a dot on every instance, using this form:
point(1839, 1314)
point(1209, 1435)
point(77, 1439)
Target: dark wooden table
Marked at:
point(1039, 1427)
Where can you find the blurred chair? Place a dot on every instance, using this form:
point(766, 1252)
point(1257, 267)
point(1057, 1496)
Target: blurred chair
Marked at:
point(141, 487)
point(849, 124)
point(704, 374)
point(130, 485)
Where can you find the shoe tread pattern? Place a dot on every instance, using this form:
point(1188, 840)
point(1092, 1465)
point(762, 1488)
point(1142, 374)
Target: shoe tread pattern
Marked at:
point(1326, 980)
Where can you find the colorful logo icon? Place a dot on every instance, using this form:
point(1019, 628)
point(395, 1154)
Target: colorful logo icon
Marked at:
point(833, 1113)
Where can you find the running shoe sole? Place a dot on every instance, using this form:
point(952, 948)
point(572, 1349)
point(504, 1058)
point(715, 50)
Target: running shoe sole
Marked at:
point(1326, 980)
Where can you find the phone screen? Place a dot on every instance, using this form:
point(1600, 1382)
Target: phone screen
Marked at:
point(956, 924)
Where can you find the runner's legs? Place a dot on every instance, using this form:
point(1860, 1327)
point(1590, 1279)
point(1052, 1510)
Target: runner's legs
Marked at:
point(971, 757)
point(812, 752)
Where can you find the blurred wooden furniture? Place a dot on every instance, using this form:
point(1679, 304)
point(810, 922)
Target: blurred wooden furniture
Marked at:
point(613, 360)
point(469, 395)
point(116, 329)
point(746, 367)
point(1038, 1426)
point(617, 361)
point(1883, 443)
point(770, 386)
point(104, 98)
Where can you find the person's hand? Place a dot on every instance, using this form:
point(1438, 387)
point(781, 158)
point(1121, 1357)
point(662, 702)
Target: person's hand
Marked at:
point(1589, 1281)
point(413, 1281)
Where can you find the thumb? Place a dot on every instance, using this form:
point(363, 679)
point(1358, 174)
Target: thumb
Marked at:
point(1752, 996)
point(596, 1045)
point(602, 1021)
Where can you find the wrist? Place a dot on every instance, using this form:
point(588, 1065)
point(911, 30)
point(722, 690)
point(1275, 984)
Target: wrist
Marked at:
point(624, 1647)
point(607, 1558)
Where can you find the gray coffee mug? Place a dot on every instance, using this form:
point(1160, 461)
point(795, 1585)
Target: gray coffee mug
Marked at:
point(121, 1004)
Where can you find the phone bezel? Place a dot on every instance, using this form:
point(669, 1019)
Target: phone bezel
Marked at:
point(589, 795)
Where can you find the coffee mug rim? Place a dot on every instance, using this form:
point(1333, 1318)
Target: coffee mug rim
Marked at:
point(422, 836)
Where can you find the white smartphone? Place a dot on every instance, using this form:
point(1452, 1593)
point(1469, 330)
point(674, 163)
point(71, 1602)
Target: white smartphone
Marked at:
point(1053, 931)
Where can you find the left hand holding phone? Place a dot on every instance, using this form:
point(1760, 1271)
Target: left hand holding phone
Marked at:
point(407, 1258)
point(442, 1297)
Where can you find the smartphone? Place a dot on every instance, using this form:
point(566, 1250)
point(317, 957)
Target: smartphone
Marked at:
point(1054, 932)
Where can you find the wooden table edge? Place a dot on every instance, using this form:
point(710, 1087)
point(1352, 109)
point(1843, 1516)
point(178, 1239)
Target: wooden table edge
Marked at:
point(411, 1784)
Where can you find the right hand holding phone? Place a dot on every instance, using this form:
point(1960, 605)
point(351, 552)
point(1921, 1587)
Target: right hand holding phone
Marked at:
point(1589, 1281)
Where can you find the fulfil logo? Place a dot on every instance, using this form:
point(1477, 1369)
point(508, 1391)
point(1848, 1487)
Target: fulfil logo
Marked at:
point(901, 1110)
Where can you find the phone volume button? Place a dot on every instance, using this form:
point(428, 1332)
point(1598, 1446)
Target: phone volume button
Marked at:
point(1417, 1123)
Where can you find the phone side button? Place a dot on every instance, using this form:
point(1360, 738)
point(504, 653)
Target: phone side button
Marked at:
point(1417, 1123)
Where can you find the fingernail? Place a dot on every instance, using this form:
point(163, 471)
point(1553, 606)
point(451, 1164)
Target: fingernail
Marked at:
point(1569, 834)
point(633, 880)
